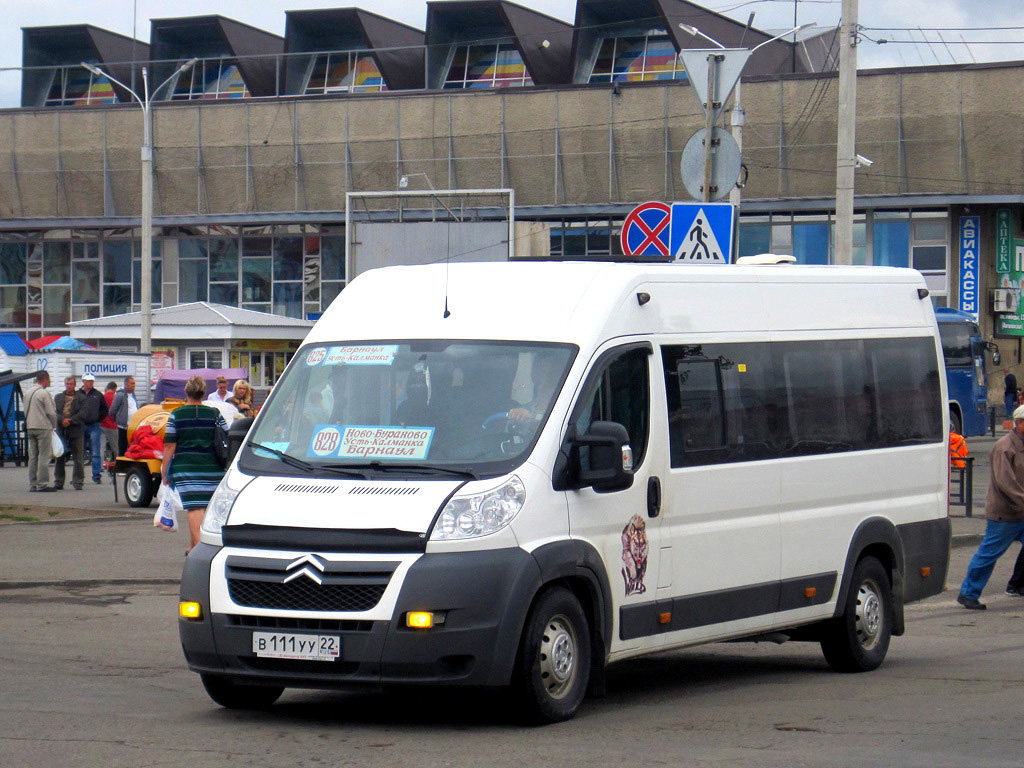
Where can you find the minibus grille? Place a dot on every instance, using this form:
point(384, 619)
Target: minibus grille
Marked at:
point(304, 595)
point(311, 583)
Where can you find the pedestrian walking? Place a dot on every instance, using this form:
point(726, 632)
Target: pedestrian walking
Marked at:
point(122, 409)
point(1009, 391)
point(92, 411)
point(190, 464)
point(108, 426)
point(1004, 512)
point(67, 404)
point(40, 421)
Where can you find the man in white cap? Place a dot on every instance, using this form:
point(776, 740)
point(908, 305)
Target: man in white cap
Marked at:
point(1004, 512)
point(92, 411)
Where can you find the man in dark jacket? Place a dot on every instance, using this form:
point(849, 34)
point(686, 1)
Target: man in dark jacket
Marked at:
point(92, 411)
point(1009, 392)
point(68, 403)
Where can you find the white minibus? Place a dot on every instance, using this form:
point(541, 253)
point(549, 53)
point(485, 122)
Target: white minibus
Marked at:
point(514, 474)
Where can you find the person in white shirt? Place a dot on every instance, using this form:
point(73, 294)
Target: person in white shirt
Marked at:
point(122, 408)
point(220, 395)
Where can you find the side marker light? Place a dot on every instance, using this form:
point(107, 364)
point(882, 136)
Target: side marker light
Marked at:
point(926, 571)
point(810, 592)
point(665, 618)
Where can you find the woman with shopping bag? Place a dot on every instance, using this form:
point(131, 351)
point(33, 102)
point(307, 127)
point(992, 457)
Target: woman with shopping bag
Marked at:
point(190, 465)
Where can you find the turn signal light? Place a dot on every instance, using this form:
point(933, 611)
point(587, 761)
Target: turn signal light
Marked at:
point(192, 611)
point(419, 619)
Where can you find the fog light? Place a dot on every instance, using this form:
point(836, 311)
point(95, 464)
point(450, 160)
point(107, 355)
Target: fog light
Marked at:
point(192, 611)
point(419, 619)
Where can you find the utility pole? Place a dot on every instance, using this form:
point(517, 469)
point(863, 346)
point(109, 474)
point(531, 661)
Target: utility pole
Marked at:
point(846, 139)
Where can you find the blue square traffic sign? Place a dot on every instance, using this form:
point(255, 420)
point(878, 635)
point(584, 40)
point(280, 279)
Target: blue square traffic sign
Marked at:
point(701, 233)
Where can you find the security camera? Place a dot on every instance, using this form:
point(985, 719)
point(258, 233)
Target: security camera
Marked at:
point(862, 162)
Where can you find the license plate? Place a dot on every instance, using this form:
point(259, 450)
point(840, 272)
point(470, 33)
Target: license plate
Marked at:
point(281, 645)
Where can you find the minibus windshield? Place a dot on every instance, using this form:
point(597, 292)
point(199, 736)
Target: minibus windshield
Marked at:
point(449, 408)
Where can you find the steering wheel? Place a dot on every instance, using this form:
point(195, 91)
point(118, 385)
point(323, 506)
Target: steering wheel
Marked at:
point(501, 422)
point(497, 422)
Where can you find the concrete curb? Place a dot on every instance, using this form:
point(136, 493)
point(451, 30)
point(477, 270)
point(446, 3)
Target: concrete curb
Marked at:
point(966, 540)
point(88, 583)
point(119, 515)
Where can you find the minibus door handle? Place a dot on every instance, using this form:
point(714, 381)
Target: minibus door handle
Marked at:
point(653, 497)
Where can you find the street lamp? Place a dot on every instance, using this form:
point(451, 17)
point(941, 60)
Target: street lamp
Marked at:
point(145, 336)
point(403, 183)
point(695, 32)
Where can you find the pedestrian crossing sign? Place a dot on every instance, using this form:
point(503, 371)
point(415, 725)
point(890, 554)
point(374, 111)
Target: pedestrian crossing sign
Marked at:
point(701, 233)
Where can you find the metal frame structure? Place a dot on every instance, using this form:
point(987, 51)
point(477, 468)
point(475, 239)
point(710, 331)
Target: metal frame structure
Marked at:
point(436, 194)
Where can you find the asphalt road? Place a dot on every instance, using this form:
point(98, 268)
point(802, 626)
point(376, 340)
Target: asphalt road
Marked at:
point(91, 674)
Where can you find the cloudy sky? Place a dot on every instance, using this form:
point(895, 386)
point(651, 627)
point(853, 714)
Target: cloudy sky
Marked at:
point(952, 33)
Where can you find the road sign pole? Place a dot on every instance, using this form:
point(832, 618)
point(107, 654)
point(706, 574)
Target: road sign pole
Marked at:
point(709, 123)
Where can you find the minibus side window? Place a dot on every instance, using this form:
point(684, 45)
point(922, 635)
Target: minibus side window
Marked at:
point(829, 400)
point(721, 403)
point(764, 400)
point(619, 392)
point(909, 400)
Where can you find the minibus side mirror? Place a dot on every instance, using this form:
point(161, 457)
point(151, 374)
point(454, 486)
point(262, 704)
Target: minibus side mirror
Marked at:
point(236, 435)
point(610, 460)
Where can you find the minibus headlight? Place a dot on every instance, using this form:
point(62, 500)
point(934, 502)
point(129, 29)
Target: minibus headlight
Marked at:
point(219, 508)
point(480, 514)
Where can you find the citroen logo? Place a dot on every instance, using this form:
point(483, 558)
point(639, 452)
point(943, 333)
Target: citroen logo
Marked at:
point(311, 567)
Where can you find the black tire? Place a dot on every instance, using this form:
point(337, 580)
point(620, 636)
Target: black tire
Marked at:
point(955, 423)
point(553, 665)
point(858, 640)
point(138, 487)
point(232, 695)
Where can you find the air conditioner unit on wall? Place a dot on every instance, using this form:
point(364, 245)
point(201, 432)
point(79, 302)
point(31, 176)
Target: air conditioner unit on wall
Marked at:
point(1004, 301)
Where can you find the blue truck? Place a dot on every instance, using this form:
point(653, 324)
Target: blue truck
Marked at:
point(966, 379)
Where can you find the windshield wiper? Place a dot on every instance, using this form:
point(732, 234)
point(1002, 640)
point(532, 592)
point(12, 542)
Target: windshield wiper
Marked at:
point(305, 466)
point(424, 469)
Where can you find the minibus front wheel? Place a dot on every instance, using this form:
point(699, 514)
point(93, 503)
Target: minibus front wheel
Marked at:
point(858, 640)
point(553, 664)
point(232, 695)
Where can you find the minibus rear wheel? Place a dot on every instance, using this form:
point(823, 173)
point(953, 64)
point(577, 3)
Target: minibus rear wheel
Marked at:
point(234, 695)
point(858, 640)
point(553, 665)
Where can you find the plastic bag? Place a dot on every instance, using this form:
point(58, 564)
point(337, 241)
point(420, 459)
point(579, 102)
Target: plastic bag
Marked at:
point(56, 445)
point(166, 516)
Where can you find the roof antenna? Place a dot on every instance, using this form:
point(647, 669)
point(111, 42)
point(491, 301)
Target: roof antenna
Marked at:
point(447, 264)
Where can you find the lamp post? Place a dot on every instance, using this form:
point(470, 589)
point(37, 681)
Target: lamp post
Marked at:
point(146, 101)
point(403, 183)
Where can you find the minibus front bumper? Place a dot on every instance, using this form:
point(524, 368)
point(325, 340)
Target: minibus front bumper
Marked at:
point(483, 597)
